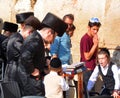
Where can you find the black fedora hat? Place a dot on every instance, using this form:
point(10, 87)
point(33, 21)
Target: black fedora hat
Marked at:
point(20, 18)
point(9, 26)
point(55, 23)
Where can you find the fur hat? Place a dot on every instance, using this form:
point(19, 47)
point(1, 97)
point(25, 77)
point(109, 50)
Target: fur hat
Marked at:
point(33, 21)
point(8, 26)
point(20, 18)
point(55, 63)
point(55, 23)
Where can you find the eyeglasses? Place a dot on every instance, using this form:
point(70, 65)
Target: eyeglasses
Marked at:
point(94, 19)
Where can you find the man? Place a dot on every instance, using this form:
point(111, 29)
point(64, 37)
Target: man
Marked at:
point(32, 59)
point(89, 46)
point(14, 45)
point(9, 29)
point(61, 45)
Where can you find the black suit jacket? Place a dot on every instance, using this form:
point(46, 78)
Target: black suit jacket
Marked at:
point(33, 53)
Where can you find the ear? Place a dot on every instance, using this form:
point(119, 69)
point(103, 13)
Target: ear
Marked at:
point(22, 26)
point(88, 27)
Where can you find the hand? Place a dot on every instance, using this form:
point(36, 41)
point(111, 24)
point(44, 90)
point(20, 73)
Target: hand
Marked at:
point(36, 72)
point(54, 56)
point(95, 39)
point(115, 94)
point(61, 73)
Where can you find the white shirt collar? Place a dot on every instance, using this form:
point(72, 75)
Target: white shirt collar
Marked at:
point(53, 73)
point(39, 32)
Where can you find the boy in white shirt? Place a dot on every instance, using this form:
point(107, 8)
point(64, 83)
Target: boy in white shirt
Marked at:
point(109, 73)
point(54, 82)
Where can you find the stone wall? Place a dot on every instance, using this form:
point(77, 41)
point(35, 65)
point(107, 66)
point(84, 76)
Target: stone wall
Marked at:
point(106, 10)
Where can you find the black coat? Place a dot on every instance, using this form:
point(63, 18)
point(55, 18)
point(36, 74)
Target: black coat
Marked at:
point(13, 52)
point(32, 56)
point(13, 47)
point(2, 55)
point(33, 53)
point(2, 38)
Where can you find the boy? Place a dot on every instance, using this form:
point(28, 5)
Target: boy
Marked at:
point(109, 73)
point(54, 83)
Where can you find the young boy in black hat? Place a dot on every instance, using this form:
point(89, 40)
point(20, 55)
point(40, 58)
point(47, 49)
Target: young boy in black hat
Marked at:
point(54, 83)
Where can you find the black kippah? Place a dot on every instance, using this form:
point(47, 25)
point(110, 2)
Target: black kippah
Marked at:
point(55, 63)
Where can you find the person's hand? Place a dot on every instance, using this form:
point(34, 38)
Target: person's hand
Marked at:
point(54, 56)
point(61, 73)
point(95, 39)
point(36, 73)
point(115, 94)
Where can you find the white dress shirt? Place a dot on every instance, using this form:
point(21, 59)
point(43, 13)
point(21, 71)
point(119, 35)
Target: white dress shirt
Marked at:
point(104, 70)
point(54, 85)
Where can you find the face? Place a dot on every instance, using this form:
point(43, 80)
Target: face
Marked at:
point(7, 33)
point(93, 30)
point(103, 59)
point(71, 33)
point(27, 32)
point(21, 26)
point(69, 22)
point(50, 36)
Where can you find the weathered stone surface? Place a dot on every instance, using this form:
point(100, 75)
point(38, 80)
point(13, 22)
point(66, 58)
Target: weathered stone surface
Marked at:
point(106, 10)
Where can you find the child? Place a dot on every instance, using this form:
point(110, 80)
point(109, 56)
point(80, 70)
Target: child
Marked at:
point(54, 83)
point(109, 73)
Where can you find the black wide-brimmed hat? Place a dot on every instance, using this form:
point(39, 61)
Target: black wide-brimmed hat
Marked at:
point(55, 23)
point(8, 26)
point(20, 18)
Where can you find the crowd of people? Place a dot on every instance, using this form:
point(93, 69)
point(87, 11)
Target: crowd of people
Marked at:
point(34, 53)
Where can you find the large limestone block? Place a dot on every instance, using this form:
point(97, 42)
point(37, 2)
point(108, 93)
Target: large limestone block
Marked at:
point(106, 10)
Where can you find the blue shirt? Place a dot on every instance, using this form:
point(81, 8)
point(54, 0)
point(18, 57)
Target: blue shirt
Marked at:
point(61, 47)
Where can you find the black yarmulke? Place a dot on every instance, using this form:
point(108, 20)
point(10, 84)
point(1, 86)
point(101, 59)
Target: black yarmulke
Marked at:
point(55, 63)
